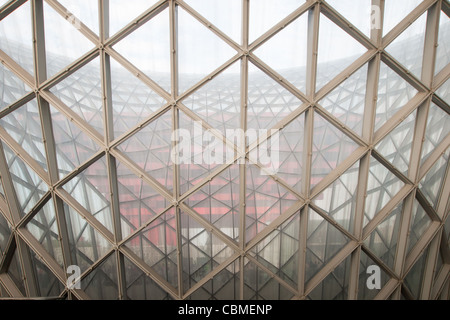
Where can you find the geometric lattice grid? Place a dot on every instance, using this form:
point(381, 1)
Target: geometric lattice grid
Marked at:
point(91, 92)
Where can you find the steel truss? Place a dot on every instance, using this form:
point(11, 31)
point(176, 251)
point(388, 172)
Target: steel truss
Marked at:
point(432, 244)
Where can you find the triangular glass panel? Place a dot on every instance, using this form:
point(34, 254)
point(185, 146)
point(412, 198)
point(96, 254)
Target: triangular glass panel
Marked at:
point(279, 250)
point(16, 37)
point(82, 92)
point(339, 199)
point(90, 188)
point(395, 11)
point(132, 100)
point(286, 52)
point(24, 126)
point(420, 222)
point(102, 283)
point(411, 40)
point(47, 283)
point(438, 127)
point(156, 245)
point(260, 285)
point(199, 152)
point(444, 91)
point(150, 149)
point(347, 101)
point(291, 152)
point(225, 15)
point(268, 101)
point(218, 102)
point(335, 285)
point(364, 291)
point(382, 185)
point(73, 146)
point(85, 11)
point(396, 146)
point(44, 228)
point(223, 286)
point(122, 14)
point(138, 201)
point(432, 182)
point(139, 48)
point(11, 87)
point(16, 274)
point(359, 13)
point(264, 14)
point(218, 202)
point(201, 251)
point(414, 279)
point(64, 43)
point(393, 93)
point(443, 49)
point(330, 147)
point(141, 287)
point(383, 240)
point(333, 55)
point(5, 233)
point(324, 241)
point(200, 51)
point(265, 200)
point(29, 187)
point(87, 245)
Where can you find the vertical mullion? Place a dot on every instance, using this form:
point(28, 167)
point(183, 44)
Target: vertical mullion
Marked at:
point(430, 264)
point(243, 144)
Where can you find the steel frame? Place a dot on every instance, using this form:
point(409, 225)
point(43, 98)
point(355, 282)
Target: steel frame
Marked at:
point(434, 237)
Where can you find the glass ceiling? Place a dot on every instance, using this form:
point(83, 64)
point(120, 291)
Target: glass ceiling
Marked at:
point(89, 121)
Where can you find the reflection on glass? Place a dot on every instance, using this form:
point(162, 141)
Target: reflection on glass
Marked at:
point(414, 279)
point(419, 223)
point(101, 284)
point(47, 283)
point(11, 87)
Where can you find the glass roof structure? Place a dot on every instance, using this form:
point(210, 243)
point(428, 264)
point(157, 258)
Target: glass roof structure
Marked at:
point(96, 97)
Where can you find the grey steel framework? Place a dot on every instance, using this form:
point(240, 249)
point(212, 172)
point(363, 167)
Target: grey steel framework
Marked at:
point(87, 180)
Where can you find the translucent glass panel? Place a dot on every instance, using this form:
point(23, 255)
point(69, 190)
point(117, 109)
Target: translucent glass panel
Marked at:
point(264, 14)
point(102, 282)
point(84, 10)
point(382, 185)
point(286, 52)
point(73, 146)
point(346, 102)
point(16, 274)
point(5, 232)
point(121, 14)
point(324, 241)
point(82, 92)
point(132, 100)
point(44, 228)
point(334, 45)
point(11, 87)
point(218, 202)
point(138, 201)
point(16, 35)
point(359, 13)
point(225, 15)
point(339, 199)
point(47, 283)
point(418, 225)
point(364, 293)
point(265, 201)
point(444, 91)
point(218, 102)
point(148, 48)
point(279, 251)
point(411, 39)
point(330, 147)
point(443, 49)
point(91, 189)
point(414, 279)
point(268, 101)
point(200, 52)
point(153, 154)
point(28, 185)
point(87, 245)
point(201, 250)
point(393, 93)
point(63, 42)
point(396, 11)
point(24, 126)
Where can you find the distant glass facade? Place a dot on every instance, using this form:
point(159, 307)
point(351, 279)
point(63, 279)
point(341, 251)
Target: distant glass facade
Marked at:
point(96, 98)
